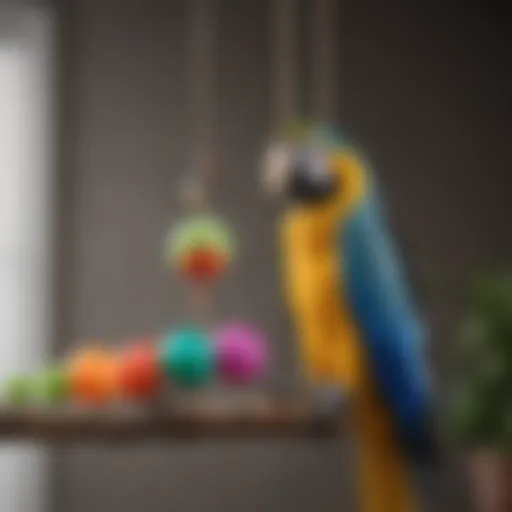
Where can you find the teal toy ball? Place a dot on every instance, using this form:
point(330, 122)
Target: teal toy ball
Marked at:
point(187, 357)
point(19, 391)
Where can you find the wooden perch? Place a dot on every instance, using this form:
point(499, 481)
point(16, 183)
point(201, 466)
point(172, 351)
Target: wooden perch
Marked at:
point(267, 418)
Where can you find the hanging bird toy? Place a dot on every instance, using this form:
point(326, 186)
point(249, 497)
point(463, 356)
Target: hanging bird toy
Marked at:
point(200, 247)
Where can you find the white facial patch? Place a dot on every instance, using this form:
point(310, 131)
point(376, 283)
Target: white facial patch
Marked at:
point(276, 167)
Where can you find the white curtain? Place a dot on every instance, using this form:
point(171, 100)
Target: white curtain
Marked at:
point(25, 230)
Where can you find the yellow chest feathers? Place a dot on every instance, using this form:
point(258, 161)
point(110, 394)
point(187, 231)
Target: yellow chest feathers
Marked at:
point(312, 268)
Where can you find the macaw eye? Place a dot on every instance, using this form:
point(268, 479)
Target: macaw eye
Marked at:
point(316, 166)
point(311, 179)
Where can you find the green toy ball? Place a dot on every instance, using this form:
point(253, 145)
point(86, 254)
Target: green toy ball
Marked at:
point(53, 386)
point(19, 390)
point(187, 357)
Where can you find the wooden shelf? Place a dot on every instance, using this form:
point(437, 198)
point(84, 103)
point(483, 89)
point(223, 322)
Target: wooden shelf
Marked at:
point(261, 418)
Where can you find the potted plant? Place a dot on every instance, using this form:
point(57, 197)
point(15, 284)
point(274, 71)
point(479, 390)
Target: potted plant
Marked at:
point(481, 405)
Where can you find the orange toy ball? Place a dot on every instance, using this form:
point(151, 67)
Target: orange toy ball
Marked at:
point(94, 376)
point(139, 372)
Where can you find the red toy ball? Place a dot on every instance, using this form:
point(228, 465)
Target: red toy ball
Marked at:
point(140, 376)
point(204, 264)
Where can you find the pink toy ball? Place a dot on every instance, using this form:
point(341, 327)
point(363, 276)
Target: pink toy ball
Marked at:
point(242, 353)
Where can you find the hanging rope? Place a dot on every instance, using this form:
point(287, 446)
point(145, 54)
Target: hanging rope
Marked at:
point(323, 61)
point(285, 76)
point(323, 58)
point(201, 81)
point(201, 84)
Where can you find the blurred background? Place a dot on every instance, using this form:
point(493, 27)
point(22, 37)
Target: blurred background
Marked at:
point(93, 109)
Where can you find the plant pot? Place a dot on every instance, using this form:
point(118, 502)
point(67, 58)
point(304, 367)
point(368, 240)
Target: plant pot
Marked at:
point(491, 480)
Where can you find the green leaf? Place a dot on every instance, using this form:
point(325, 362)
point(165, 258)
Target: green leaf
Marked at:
point(475, 335)
point(491, 296)
point(492, 370)
point(481, 409)
point(506, 429)
point(467, 413)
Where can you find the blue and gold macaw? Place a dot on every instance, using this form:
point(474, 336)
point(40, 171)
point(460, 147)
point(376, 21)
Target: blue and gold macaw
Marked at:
point(354, 314)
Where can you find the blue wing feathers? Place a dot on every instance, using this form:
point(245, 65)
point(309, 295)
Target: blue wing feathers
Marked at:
point(384, 309)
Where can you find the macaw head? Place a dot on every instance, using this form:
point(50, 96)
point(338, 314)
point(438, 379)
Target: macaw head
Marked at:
point(300, 173)
point(309, 166)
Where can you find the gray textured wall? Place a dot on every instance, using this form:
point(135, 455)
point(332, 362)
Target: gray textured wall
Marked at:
point(422, 89)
